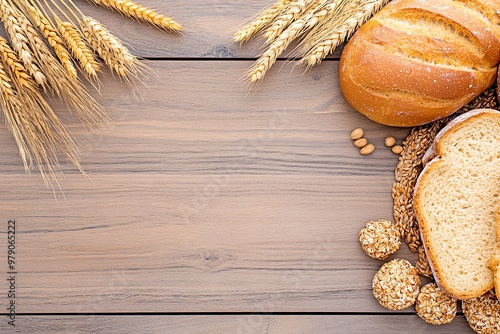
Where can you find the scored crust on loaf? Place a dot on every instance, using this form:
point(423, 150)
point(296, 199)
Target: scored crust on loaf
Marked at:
point(456, 199)
point(417, 61)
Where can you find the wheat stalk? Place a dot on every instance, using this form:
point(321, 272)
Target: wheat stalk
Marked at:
point(261, 22)
point(320, 25)
point(353, 15)
point(20, 41)
point(37, 131)
point(42, 54)
point(52, 36)
point(9, 101)
point(28, 92)
point(60, 82)
point(79, 48)
point(136, 11)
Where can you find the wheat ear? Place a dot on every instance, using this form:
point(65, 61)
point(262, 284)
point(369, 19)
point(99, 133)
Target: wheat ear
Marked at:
point(322, 27)
point(261, 22)
point(52, 37)
point(110, 49)
point(294, 30)
point(43, 135)
point(60, 82)
point(355, 13)
point(37, 136)
point(268, 58)
point(79, 48)
point(291, 12)
point(9, 103)
point(136, 11)
point(20, 42)
point(11, 60)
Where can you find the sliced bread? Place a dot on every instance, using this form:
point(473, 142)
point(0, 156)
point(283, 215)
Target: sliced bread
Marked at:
point(456, 199)
point(495, 260)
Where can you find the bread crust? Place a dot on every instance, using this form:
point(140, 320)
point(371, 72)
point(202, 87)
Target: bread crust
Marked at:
point(406, 78)
point(495, 259)
point(437, 151)
point(452, 10)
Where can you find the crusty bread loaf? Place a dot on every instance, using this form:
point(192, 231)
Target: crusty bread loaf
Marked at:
point(455, 202)
point(417, 61)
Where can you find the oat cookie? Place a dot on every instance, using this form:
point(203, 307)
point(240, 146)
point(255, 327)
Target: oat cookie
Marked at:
point(379, 239)
point(483, 313)
point(434, 306)
point(396, 285)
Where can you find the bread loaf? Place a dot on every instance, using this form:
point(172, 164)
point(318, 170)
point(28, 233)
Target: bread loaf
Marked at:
point(456, 199)
point(417, 61)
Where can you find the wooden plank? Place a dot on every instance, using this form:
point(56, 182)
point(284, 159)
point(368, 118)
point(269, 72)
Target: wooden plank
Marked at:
point(206, 198)
point(248, 324)
point(209, 28)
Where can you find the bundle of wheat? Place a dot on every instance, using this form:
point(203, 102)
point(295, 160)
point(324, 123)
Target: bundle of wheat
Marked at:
point(46, 44)
point(319, 26)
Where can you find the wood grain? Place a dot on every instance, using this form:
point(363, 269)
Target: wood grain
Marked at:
point(243, 324)
point(211, 200)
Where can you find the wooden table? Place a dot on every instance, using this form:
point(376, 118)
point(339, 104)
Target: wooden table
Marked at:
point(210, 209)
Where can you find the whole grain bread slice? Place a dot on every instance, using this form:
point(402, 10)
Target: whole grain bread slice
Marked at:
point(456, 199)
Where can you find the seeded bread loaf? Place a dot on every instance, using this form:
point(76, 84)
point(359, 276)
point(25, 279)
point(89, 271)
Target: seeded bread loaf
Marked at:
point(417, 61)
point(456, 199)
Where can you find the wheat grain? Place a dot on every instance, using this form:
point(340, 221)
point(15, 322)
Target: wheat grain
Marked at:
point(52, 37)
point(353, 15)
point(261, 22)
point(110, 48)
point(136, 11)
point(299, 26)
point(20, 42)
point(79, 48)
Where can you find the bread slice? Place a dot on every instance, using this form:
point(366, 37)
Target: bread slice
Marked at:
point(456, 199)
point(495, 260)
